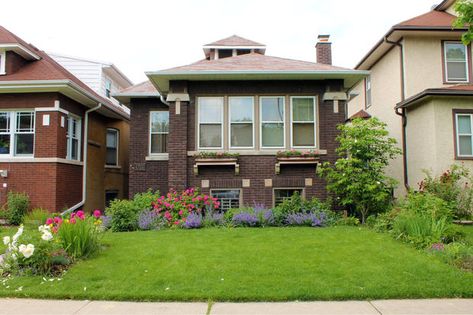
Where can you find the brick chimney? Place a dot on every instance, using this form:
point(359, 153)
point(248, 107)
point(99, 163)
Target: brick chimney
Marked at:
point(324, 50)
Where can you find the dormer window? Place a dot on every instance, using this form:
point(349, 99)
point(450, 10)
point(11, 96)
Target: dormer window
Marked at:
point(2, 63)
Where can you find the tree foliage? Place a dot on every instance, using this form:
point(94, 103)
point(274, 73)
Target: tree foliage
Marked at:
point(357, 177)
point(464, 8)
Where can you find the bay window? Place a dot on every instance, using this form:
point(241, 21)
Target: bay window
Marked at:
point(456, 62)
point(272, 122)
point(17, 133)
point(159, 131)
point(464, 135)
point(241, 122)
point(303, 121)
point(210, 122)
point(73, 134)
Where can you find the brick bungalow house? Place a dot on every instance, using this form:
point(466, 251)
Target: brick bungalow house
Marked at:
point(237, 100)
point(56, 132)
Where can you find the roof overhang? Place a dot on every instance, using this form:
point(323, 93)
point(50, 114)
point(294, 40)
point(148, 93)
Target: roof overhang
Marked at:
point(396, 34)
point(115, 73)
point(444, 5)
point(65, 87)
point(20, 50)
point(161, 79)
point(428, 93)
point(125, 98)
point(257, 48)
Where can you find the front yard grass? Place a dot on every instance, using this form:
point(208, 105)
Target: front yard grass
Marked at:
point(269, 264)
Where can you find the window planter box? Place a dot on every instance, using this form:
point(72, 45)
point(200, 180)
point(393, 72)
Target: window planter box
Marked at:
point(216, 161)
point(294, 160)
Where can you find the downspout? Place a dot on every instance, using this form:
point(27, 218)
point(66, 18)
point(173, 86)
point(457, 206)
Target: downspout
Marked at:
point(84, 167)
point(402, 113)
point(161, 97)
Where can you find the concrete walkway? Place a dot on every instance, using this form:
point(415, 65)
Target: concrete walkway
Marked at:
point(385, 307)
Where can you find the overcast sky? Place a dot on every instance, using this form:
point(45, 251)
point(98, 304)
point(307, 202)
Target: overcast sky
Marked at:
point(140, 35)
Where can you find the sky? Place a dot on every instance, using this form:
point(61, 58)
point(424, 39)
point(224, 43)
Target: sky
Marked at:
point(145, 35)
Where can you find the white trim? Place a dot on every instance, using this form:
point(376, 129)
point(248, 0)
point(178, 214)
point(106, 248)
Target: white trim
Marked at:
point(117, 132)
point(222, 122)
point(253, 152)
point(39, 160)
point(51, 109)
point(261, 121)
point(20, 49)
point(69, 137)
point(113, 166)
point(150, 133)
point(3, 57)
point(12, 132)
point(291, 129)
point(457, 134)
point(252, 123)
point(235, 47)
point(467, 63)
point(158, 157)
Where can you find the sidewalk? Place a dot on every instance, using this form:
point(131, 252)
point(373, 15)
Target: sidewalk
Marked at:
point(385, 307)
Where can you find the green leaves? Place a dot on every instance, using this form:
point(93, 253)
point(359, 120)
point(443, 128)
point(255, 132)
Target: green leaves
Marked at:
point(464, 8)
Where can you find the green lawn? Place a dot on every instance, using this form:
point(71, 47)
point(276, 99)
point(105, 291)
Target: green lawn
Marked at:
point(253, 265)
point(468, 229)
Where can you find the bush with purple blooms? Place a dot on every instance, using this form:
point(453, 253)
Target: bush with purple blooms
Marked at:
point(306, 219)
point(193, 221)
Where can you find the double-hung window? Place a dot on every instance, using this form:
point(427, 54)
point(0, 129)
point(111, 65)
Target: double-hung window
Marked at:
point(456, 62)
point(210, 121)
point(73, 131)
point(17, 133)
point(303, 121)
point(159, 131)
point(464, 135)
point(272, 122)
point(241, 122)
point(112, 147)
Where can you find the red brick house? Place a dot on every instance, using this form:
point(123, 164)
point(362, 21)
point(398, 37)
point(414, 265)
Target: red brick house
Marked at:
point(219, 123)
point(54, 132)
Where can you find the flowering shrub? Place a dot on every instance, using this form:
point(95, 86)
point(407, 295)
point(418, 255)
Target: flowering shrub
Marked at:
point(256, 216)
point(296, 153)
point(216, 155)
point(193, 221)
point(306, 219)
point(213, 218)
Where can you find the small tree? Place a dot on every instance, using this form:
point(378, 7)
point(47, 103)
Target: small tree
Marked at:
point(464, 8)
point(357, 177)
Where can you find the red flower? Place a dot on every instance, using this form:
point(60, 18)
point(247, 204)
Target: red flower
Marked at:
point(97, 214)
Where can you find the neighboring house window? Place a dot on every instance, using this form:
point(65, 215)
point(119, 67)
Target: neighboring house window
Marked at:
point(2, 62)
point(73, 138)
point(368, 91)
point(464, 135)
point(210, 122)
point(303, 121)
point(241, 122)
point(17, 133)
point(159, 130)
point(272, 122)
point(112, 146)
point(108, 87)
point(110, 195)
point(280, 194)
point(456, 62)
point(228, 199)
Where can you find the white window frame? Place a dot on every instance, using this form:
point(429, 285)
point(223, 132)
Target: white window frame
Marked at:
point(301, 122)
point(117, 132)
point(230, 123)
point(78, 137)
point(467, 62)
point(222, 123)
point(240, 199)
point(457, 133)
point(3, 57)
point(156, 133)
point(108, 83)
point(261, 122)
point(13, 117)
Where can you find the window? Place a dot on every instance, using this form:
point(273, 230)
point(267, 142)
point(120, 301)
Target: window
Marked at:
point(17, 133)
point(241, 122)
point(210, 122)
point(272, 122)
point(73, 130)
point(367, 92)
point(229, 199)
point(108, 87)
point(2, 62)
point(280, 194)
point(303, 121)
point(456, 62)
point(112, 146)
point(159, 130)
point(464, 135)
point(110, 195)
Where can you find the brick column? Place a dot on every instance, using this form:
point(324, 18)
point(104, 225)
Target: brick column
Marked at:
point(177, 145)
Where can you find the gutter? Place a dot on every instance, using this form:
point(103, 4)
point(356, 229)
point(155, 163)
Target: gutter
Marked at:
point(84, 168)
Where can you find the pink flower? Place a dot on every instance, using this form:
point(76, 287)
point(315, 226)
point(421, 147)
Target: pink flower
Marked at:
point(72, 221)
point(49, 221)
point(57, 220)
point(80, 213)
point(181, 212)
point(176, 222)
point(97, 214)
point(73, 214)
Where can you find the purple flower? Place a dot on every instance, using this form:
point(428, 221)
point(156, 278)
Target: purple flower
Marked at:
point(212, 218)
point(193, 221)
point(106, 221)
point(245, 219)
point(146, 219)
point(308, 219)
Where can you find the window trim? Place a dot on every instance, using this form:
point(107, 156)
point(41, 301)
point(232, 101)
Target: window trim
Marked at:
point(13, 118)
point(150, 132)
point(261, 122)
point(69, 138)
point(456, 135)
point(117, 132)
point(368, 100)
point(292, 122)
point(230, 124)
point(444, 62)
point(240, 199)
point(286, 188)
point(3, 56)
point(222, 123)
point(108, 92)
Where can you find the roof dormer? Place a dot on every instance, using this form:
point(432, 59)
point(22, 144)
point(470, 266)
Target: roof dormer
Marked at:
point(232, 46)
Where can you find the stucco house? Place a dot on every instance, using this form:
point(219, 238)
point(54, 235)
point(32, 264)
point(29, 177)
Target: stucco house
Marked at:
point(421, 85)
point(218, 124)
point(60, 141)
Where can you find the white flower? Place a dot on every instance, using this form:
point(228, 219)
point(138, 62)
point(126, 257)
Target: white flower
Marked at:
point(17, 235)
point(14, 257)
point(47, 236)
point(26, 250)
point(44, 228)
point(6, 240)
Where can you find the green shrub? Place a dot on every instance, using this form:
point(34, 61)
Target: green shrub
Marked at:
point(349, 221)
point(460, 255)
point(79, 236)
point(18, 204)
point(36, 217)
point(297, 204)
